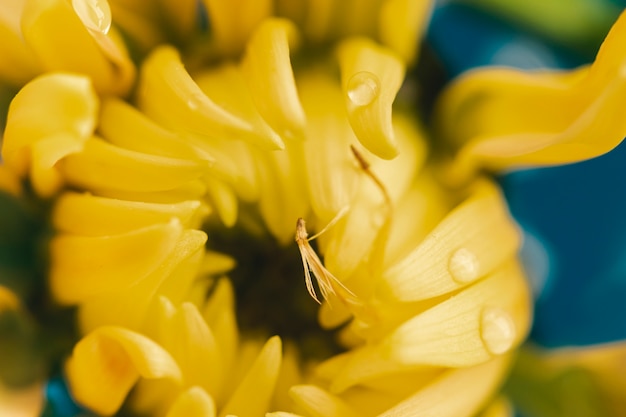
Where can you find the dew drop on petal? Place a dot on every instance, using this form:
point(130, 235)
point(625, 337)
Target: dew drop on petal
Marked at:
point(463, 266)
point(95, 14)
point(363, 88)
point(497, 330)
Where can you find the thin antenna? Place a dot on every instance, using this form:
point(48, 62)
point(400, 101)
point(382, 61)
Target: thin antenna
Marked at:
point(365, 166)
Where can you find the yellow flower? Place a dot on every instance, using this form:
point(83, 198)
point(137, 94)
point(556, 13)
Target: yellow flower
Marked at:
point(504, 118)
point(45, 35)
point(174, 211)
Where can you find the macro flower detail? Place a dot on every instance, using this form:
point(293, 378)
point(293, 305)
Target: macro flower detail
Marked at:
point(566, 113)
point(175, 182)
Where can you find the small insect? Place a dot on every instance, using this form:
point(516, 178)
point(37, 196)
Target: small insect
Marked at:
point(327, 282)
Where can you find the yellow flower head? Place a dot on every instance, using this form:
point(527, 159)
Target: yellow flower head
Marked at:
point(177, 183)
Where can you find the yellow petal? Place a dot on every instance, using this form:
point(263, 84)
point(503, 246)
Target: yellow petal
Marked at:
point(371, 76)
point(484, 320)
point(232, 23)
point(331, 172)
point(290, 375)
point(352, 239)
point(194, 402)
point(102, 166)
point(458, 393)
point(130, 306)
point(252, 396)
point(234, 163)
point(281, 414)
point(18, 64)
point(470, 242)
point(228, 87)
point(125, 126)
point(267, 67)
point(169, 95)
point(566, 118)
point(219, 313)
point(191, 343)
point(283, 197)
point(88, 215)
point(106, 363)
point(362, 365)
point(401, 24)
point(100, 57)
point(318, 403)
point(60, 103)
point(45, 154)
point(88, 266)
point(224, 200)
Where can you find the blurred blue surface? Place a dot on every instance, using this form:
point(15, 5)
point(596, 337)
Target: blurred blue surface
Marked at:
point(59, 403)
point(465, 38)
point(578, 212)
point(574, 216)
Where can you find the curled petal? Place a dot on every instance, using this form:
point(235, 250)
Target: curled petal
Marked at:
point(470, 242)
point(267, 67)
point(107, 362)
point(371, 76)
point(101, 55)
point(83, 267)
point(507, 118)
point(169, 95)
point(65, 107)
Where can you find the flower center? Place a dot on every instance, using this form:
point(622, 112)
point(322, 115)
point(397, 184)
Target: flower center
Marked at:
point(271, 296)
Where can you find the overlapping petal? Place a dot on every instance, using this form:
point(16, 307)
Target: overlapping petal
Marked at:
point(505, 118)
point(66, 109)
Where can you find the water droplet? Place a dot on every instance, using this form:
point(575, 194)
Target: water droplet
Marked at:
point(363, 88)
point(497, 330)
point(192, 104)
point(464, 266)
point(95, 14)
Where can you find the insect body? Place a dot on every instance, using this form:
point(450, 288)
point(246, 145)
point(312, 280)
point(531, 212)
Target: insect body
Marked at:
point(327, 282)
